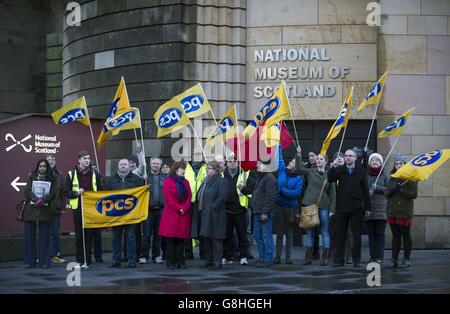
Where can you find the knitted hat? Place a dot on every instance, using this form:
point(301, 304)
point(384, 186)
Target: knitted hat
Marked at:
point(135, 159)
point(377, 156)
point(401, 157)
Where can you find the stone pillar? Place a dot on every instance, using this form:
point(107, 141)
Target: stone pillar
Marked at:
point(160, 48)
point(414, 46)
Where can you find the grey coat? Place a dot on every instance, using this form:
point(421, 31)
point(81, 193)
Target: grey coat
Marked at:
point(314, 184)
point(213, 217)
point(378, 199)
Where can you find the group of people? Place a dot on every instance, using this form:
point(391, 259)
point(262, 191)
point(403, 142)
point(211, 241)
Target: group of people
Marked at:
point(221, 208)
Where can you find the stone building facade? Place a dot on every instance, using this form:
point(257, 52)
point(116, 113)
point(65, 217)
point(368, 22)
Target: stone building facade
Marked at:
point(239, 50)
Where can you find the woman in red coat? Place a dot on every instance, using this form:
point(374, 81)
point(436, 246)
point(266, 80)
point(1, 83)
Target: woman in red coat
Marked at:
point(175, 223)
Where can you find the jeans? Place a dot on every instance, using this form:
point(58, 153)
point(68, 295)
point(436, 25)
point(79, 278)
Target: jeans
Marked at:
point(54, 235)
point(30, 255)
point(375, 229)
point(150, 229)
point(262, 233)
point(324, 230)
point(117, 245)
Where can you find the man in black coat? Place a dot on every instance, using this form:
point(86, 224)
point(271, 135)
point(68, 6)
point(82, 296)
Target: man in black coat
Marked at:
point(124, 179)
point(352, 199)
point(263, 203)
point(236, 209)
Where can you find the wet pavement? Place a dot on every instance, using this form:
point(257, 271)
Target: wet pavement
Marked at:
point(429, 273)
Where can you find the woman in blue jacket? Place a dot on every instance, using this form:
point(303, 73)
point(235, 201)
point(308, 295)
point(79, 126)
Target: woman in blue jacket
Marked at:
point(289, 189)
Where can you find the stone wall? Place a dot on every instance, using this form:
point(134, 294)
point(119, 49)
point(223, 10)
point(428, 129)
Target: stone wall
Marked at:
point(337, 26)
point(414, 46)
point(160, 48)
point(24, 25)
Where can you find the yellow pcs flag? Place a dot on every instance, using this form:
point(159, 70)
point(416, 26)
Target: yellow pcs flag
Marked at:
point(127, 120)
point(341, 122)
point(422, 167)
point(275, 110)
point(373, 98)
point(225, 128)
point(170, 117)
point(120, 104)
point(272, 135)
point(396, 127)
point(194, 101)
point(115, 208)
point(73, 111)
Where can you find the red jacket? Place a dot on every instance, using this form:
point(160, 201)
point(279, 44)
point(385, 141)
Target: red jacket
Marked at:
point(173, 224)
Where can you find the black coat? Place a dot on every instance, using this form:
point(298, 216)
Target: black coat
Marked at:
point(213, 218)
point(352, 190)
point(233, 206)
point(265, 191)
point(39, 213)
point(117, 183)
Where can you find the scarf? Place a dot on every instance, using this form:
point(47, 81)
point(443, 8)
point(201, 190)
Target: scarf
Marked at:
point(84, 172)
point(182, 193)
point(373, 171)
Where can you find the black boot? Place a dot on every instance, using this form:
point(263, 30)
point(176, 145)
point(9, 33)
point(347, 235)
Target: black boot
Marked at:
point(308, 256)
point(392, 265)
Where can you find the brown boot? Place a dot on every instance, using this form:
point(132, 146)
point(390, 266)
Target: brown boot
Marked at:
point(308, 256)
point(325, 257)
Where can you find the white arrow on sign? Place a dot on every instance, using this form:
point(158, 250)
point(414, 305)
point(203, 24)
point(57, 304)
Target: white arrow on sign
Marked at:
point(15, 184)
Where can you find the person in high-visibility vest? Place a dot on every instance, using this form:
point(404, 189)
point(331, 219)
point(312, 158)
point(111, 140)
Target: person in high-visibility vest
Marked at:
point(82, 178)
point(236, 210)
point(195, 174)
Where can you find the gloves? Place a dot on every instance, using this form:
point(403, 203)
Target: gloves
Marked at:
point(371, 192)
point(39, 201)
point(374, 187)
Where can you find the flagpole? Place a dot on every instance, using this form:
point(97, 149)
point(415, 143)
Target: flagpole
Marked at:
point(82, 228)
point(238, 140)
point(371, 125)
point(93, 144)
point(342, 139)
point(290, 111)
point(143, 147)
point(215, 120)
point(196, 136)
point(387, 157)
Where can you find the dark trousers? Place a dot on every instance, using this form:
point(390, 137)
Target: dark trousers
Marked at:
point(54, 235)
point(279, 246)
point(88, 238)
point(214, 251)
point(236, 222)
point(316, 246)
point(137, 242)
point(150, 229)
point(343, 220)
point(130, 240)
point(97, 234)
point(375, 229)
point(175, 251)
point(399, 232)
point(30, 255)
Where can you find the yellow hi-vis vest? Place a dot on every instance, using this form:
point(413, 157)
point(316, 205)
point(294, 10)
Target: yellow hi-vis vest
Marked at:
point(242, 179)
point(195, 181)
point(76, 186)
